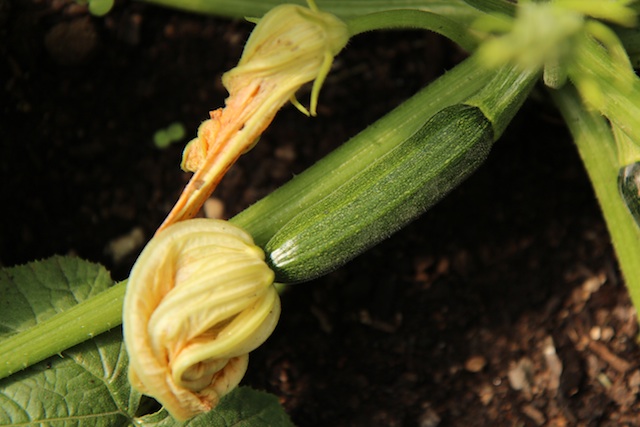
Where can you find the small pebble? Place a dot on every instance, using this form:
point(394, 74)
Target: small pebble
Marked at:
point(554, 364)
point(521, 376)
point(286, 153)
point(214, 208)
point(486, 394)
point(475, 363)
point(607, 333)
point(429, 417)
point(120, 247)
point(535, 414)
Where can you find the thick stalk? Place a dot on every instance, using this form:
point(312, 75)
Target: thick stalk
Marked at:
point(403, 19)
point(329, 173)
point(630, 38)
point(264, 218)
point(620, 87)
point(456, 10)
point(66, 329)
point(596, 145)
point(504, 7)
point(503, 96)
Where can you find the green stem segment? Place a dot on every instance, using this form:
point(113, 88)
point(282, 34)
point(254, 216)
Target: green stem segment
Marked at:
point(404, 19)
point(596, 145)
point(630, 38)
point(504, 95)
point(456, 10)
point(265, 218)
point(494, 6)
point(365, 148)
point(619, 86)
point(103, 312)
point(64, 330)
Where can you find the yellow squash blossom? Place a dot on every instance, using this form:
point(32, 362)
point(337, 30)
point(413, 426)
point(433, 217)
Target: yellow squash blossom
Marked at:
point(200, 298)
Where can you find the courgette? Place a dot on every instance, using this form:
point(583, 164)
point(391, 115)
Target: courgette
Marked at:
point(383, 197)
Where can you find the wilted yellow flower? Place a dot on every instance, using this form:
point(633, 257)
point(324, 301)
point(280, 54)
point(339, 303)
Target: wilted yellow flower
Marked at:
point(290, 46)
point(199, 298)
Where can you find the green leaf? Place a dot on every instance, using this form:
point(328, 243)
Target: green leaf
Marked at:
point(243, 407)
point(84, 386)
point(41, 310)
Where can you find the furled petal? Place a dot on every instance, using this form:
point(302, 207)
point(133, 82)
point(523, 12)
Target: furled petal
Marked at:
point(291, 45)
point(200, 298)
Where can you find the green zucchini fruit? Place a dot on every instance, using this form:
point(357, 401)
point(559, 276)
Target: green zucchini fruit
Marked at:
point(389, 193)
point(629, 187)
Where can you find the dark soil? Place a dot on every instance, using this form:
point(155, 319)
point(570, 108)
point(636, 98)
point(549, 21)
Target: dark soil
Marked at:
point(503, 305)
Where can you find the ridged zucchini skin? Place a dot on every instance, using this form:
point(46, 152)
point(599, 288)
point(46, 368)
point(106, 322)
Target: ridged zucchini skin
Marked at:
point(629, 187)
point(384, 197)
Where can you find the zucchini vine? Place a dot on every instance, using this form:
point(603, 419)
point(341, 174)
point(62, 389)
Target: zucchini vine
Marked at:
point(373, 185)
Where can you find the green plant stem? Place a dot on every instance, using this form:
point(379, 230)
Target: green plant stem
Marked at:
point(63, 330)
point(494, 6)
point(630, 38)
point(503, 96)
point(263, 219)
point(456, 10)
point(402, 19)
point(596, 145)
point(375, 141)
point(623, 106)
